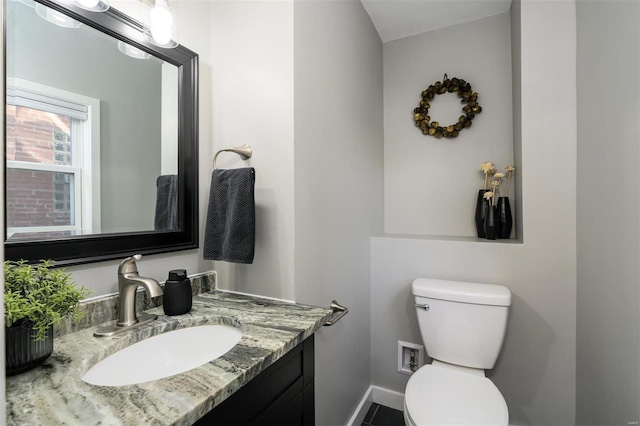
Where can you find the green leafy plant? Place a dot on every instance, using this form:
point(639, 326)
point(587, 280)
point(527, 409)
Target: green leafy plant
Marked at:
point(39, 296)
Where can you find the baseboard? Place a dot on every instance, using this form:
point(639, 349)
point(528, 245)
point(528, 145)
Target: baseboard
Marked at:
point(388, 398)
point(361, 410)
point(378, 395)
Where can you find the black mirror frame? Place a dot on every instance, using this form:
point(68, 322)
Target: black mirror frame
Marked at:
point(100, 247)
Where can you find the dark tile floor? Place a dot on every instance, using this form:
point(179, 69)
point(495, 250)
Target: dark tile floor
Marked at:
point(379, 415)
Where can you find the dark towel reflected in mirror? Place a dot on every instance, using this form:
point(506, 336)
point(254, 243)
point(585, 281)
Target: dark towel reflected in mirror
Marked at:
point(166, 218)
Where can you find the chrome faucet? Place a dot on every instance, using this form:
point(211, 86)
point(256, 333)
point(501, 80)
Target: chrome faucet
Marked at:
point(128, 283)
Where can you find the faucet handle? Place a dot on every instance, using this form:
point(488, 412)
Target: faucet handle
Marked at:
point(128, 265)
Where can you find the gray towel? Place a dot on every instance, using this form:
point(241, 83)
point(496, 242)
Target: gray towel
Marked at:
point(231, 217)
point(166, 217)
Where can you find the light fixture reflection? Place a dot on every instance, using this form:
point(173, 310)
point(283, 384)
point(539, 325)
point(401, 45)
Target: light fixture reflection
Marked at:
point(92, 5)
point(161, 34)
point(164, 38)
point(55, 17)
point(160, 15)
point(134, 52)
point(160, 30)
point(89, 3)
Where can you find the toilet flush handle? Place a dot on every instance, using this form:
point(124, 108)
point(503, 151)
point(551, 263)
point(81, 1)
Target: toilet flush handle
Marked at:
point(422, 306)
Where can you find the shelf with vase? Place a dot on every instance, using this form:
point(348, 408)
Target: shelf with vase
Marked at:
point(493, 216)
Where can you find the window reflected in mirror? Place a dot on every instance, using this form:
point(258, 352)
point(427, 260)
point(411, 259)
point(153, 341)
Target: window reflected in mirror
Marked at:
point(49, 149)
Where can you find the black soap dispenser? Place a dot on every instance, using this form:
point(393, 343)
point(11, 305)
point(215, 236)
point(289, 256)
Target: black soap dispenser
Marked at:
point(177, 298)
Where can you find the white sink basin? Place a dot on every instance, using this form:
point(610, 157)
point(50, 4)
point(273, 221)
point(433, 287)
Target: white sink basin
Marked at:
point(164, 355)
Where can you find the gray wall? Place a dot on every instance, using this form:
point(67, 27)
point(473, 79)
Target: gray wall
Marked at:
point(516, 112)
point(252, 103)
point(338, 188)
point(536, 369)
point(86, 62)
point(608, 342)
point(423, 174)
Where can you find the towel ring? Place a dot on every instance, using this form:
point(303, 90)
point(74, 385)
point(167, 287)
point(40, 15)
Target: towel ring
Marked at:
point(245, 152)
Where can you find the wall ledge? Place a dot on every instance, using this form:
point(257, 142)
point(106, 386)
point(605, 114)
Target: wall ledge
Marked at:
point(447, 238)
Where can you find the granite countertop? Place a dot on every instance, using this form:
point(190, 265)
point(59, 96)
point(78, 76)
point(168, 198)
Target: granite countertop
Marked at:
point(54, 393)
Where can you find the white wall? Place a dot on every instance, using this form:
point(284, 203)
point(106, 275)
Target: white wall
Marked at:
point(536, 370)
point(252, 103)
point(608, 342)
point(338, 188)
point(431, 184)
point(281, 75)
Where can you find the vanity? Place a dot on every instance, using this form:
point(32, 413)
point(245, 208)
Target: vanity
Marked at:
point(266, 378)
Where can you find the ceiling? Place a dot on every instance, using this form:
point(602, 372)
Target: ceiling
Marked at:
point(396, 19)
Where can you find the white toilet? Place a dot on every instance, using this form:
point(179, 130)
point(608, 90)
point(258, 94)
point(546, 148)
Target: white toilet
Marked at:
point(462, 326)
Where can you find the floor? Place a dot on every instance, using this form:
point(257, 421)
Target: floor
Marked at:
point(379, 415)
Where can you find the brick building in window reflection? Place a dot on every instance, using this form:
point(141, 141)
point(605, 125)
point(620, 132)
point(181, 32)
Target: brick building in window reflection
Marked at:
point(37, 197)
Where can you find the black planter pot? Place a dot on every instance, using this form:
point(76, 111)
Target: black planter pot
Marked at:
point(22, 353)
point(505, 219)
point(490, 223)
point(482, 206)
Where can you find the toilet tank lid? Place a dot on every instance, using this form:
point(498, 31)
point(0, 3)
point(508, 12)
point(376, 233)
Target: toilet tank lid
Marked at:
point(465, 292)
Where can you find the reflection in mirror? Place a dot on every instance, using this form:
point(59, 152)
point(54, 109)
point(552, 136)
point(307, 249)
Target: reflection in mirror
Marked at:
point(69, 87)
point(101, 137)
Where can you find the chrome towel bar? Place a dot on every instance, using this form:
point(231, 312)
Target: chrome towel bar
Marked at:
point(245, 152)
point(338, 312)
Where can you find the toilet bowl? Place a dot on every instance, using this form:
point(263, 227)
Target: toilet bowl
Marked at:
point(463, 326)
point(438, 395)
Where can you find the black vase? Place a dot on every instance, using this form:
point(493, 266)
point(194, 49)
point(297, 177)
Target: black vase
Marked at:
point(505, 219)
point(481, 212)
point(22, 353)
point(490, 223)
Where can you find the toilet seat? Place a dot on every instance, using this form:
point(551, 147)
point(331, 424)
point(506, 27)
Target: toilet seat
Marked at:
point(441, 396)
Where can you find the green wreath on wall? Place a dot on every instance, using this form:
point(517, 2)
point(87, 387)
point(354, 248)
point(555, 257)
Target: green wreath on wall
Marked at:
point(464, 91)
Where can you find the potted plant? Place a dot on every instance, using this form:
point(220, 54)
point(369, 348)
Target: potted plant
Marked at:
point(35, 298)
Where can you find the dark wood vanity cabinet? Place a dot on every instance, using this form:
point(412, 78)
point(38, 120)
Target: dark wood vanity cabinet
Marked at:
point(281, 395)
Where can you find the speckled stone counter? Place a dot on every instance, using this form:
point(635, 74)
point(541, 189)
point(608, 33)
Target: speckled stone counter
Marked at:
point(54, 394)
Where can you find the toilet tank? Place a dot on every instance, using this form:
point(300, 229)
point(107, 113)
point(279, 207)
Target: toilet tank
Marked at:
point(465, 323)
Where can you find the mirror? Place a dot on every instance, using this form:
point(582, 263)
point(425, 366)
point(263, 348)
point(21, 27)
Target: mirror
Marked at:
point(101, 137)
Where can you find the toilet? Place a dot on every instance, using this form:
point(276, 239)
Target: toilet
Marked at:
point(463, 326)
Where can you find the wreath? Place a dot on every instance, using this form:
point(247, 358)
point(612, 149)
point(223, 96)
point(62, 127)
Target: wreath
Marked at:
point(464, 91)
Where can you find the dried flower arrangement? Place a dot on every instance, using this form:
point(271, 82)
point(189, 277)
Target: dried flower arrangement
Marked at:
point(510, 169)
point(493, 181)
point(493, 201)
